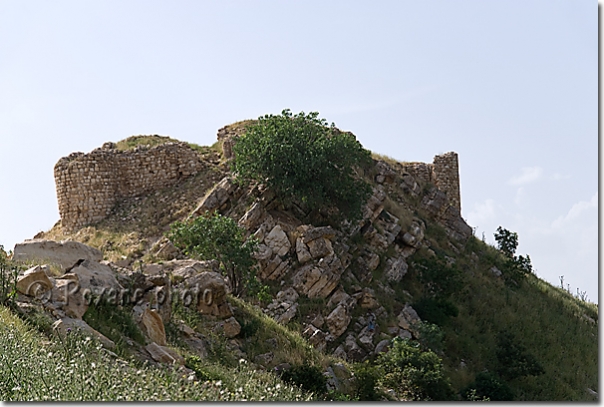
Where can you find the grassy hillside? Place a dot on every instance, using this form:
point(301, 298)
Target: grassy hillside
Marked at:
point(533, 339)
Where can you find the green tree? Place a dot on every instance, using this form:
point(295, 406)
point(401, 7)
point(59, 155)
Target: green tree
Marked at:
point(219, 237)
point(305, 161)
point(507, 241)
point(414, 374)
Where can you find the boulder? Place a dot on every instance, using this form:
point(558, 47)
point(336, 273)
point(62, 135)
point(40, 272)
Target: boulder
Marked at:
point(65, 325)
point(302, 251)
point(316, 337)
point(289, 295)
point(66, 295)
point(278, 241)
point(382, 346)
point(288, 315)
point(211, 290)
point(34, 282)
point(231, 327)
point(65, 253)
point(99, 278)
point(496, 272)
point(396, 268)
point(354, 353)
point(163, 354)
point(320, 247)
point(338, 320)
point(153, 326)
point(407, 317)
point(367, 299)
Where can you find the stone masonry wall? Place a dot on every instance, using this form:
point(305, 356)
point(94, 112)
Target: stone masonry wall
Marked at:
point(443, 173)
point(89, 185)
point(445, 170)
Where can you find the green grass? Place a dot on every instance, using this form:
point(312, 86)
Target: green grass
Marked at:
point(134, 141)
point(75, 368)
point(545, 319)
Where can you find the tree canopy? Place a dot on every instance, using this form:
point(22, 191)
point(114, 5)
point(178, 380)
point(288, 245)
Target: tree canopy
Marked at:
point(304, 160)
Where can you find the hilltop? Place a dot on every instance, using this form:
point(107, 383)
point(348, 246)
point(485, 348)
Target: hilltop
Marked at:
point(339, 295)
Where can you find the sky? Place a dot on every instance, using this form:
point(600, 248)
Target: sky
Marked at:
point(511, 86)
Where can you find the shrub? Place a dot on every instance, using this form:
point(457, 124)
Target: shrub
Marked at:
point(8, 279)
point(439, 278)
point(305, 161)
point(414, 374)
point(430, 336)
point(219, 237)
point(488, 386)
point(308, 377)
point(365, 382)
point(514, 360)
point(435, 310)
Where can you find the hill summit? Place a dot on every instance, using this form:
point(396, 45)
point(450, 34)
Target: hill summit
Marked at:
point(369, 303)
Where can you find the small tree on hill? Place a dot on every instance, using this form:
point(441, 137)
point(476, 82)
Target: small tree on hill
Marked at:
point(507, 241)
point(304, 160)
point(219, 237)
point(515, 267)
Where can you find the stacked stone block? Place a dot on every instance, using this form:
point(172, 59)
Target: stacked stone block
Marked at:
point(443, 173)
point(89, 185)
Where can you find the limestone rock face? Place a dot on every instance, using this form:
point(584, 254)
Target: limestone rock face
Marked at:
point(277, 240)
point(252, 216)
point(338, 320)
point(64, 254)
point(34, 282)
point(217, 197)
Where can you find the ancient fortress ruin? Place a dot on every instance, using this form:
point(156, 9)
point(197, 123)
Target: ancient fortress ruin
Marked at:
point(89, 185)
point(443, 173)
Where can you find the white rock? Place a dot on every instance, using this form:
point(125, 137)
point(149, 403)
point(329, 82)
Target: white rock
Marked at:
point(277, 240)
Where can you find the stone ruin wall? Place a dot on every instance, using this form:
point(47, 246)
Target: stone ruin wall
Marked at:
point(443, 173)
point(89, 185)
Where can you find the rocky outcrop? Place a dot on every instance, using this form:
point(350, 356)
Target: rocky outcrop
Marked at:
point(34, 282)
point(64, 254)
point(338, 320)
point(217, 197)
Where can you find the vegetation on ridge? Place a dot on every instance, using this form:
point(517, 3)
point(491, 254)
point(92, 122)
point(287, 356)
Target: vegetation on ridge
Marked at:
point(303, 159)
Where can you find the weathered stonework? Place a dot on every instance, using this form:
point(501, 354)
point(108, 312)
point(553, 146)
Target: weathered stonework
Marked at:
point(443, 173)
point(89, 185)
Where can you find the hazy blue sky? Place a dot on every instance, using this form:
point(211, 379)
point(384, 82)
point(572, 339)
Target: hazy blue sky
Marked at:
point(511, 86)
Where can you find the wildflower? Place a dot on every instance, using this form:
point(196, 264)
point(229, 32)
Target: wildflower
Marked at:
point(278, 386)
point(93, 365)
